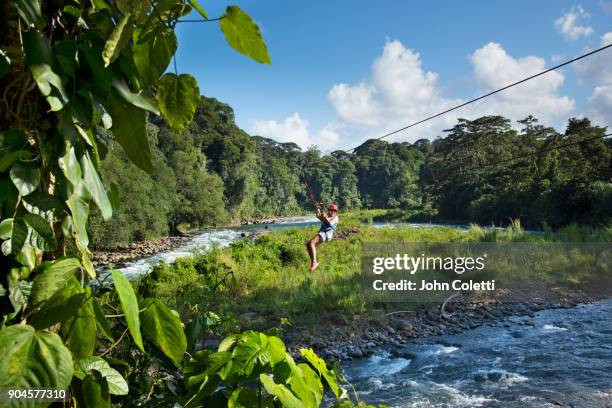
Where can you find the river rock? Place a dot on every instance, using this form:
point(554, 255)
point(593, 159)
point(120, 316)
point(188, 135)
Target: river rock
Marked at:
point(404, 325)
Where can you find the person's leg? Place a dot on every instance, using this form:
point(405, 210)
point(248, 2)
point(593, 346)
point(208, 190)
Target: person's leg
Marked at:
point(312, 248)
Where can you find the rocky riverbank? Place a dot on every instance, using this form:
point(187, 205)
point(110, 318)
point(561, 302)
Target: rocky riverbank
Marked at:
point(130, 252)
point(256, 221)
point(338, 339)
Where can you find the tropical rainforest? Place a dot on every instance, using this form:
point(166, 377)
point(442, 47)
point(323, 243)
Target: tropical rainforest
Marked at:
point(484, 170)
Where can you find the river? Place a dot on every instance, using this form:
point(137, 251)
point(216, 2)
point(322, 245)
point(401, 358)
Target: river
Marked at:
point(202, 242)
point(560, 357)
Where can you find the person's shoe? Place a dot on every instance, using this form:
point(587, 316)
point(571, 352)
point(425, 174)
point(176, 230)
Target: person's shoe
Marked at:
point(313, 266)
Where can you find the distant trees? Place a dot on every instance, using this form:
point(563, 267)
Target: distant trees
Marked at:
point(483, 170)
point(388, 174)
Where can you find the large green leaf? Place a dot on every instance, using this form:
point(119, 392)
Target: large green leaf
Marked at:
point(6, 160)
point(129, 130)
point(19, 235)
point(178, 97)
point(42, 228)
point(39, 57)
point(129, 305)
point(136, 8)
point(79, 332)
point(243, 398)
point(27, 258)
point(138, 100)
point(119, 38)
point(153, 48)
point(61, 307)
point(277, 349)
point(6, 228)
point(29, 11)
point(18, 295)
point(165, 329)
point(53, 276)
point(80, 213)
point(204, 366)
point(99, 76)
point(25, 176)
point(33, 359)
point(47, 206)
point(95, 187)
point(307, 385)
point(92, 391)
point(250, 349)
point(319, 364)
point(116, 383)
point(284, 394)
point(70, 166)
point(243, 35)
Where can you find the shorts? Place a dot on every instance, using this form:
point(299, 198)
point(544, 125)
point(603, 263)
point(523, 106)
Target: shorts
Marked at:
point(326, 235)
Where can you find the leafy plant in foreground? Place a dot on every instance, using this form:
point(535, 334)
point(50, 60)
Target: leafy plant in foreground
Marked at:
point(76, 75)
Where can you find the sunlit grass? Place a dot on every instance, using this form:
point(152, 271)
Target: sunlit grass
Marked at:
point(268, 279)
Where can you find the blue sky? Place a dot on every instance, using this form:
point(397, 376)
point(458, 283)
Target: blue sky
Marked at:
point(343, 71)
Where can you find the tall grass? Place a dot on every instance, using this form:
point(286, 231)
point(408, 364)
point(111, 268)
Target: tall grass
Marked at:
point(263, 281)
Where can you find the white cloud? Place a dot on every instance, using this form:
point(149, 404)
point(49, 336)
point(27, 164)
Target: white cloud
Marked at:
point(355, 104)
point(495, 68)
point(557, 57)
point(402, 91)
point(295, 129)
point(597, 68)
point(600, 106)
point(569, 24)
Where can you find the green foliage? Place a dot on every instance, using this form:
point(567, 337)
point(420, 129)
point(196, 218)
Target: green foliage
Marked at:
point(52, 276)
point(165, 329)
point(97, 66)
point(243, 35)
point(25, 177)
point(129, 305)
point(33, 359)
point(129, 131)
point(155, 41)
point(178, 96)
point(116, 383)
point(117, 40)
point(472, 174)
point(262, 363)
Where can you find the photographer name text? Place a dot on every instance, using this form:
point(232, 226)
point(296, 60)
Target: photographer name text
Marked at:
point(410, 265)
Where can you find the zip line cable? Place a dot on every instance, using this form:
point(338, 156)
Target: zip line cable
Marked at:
point(488, 94)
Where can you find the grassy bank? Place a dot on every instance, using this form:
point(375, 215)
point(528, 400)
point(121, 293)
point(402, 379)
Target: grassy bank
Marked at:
point(265, 281)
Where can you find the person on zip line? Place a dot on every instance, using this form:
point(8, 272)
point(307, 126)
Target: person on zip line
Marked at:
point(329, 222)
